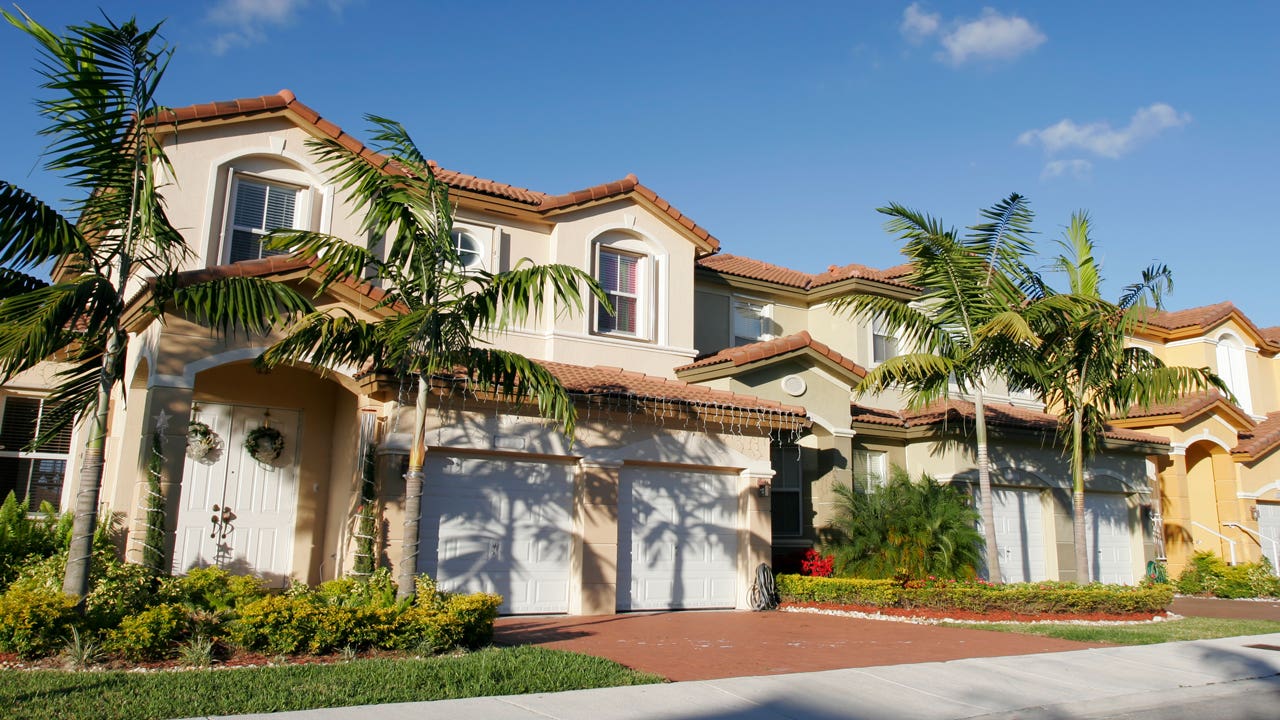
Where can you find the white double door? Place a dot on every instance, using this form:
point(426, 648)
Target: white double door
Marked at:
point(235, 512)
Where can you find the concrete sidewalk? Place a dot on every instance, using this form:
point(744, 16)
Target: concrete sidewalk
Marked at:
point(1094, 683)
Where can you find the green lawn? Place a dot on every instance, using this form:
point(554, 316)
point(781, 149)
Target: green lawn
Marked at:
point(1191, 628)
point(137, 696)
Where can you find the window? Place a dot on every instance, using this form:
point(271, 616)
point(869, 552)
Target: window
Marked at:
point(787, 503)
point(621, 275)
point(35, 476)
point(884, 342)
point(258, 207)
point(750, 322)
point(1232, 370)
point(868, 470)
point(469, 249)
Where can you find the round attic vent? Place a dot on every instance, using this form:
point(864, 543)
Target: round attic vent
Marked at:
point(793, 385)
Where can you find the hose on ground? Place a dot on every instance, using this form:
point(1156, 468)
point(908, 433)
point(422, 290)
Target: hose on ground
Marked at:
point(764, 594)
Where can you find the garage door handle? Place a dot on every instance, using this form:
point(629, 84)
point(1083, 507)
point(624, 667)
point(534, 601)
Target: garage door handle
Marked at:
point(495, 550)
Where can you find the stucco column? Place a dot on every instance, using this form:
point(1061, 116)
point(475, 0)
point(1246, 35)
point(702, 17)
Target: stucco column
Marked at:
point(170, 409)
point(593, 583)
point(755, 529)
point(1175, 513)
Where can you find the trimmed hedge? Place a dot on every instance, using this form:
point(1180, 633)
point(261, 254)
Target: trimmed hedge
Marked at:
point(1021, 598)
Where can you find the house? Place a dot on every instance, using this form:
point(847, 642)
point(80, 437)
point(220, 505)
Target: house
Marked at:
point(770, 331)
point(1219, 485)
point(660, 502)
point(708, 441)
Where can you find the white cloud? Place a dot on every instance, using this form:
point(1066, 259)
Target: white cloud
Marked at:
point(1100, 138)
point(247, 21)
point(1078, 169)
point(993, 37)
point(918, 24)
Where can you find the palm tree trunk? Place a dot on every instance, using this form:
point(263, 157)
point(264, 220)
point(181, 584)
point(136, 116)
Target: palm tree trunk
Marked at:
point(405, 585)
point(1077, 496)
point(75, 581)
point(988, 508)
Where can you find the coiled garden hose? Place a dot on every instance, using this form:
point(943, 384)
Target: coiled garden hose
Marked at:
point(764, 594)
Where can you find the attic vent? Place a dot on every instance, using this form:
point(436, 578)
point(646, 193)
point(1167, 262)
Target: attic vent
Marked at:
point(793, 385)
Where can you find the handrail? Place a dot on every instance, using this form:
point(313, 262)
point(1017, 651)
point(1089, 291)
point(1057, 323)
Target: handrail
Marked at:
point(1211, 531)
point(1275, 544)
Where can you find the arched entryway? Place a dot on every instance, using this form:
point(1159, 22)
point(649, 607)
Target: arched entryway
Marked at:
point(1211, 497)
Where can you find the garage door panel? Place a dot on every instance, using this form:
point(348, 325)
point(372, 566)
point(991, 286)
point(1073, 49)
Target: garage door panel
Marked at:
point(1019, 521)
point(499, 526)
point(1107, 538)
point(680, 542)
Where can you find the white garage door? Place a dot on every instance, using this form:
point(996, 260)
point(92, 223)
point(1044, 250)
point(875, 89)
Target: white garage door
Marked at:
point(683, 539)
point(1107, 538)
point(500, 526)
point(1020, 535)
point(1269, 529)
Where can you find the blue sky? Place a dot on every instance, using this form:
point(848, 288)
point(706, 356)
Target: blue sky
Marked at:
point(782, 127)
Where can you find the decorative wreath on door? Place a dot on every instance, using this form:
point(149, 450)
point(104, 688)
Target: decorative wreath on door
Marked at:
point(201, 440)
point(264, 444)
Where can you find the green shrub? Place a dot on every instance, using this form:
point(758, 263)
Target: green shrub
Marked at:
point(35, 622)
point(116, 589)
point(378, 589)
point(1209, 574)
point(23, 538)
point(212, 589)
point(979, 596)
point(919, 528)
point(153, 634)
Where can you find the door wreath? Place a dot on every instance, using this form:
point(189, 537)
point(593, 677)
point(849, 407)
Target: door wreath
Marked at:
point(264, 444)
point(201, 440)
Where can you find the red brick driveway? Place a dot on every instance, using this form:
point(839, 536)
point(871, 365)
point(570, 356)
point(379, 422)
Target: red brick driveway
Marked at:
point(703, 645)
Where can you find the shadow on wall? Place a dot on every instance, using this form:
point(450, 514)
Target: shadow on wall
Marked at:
point(506, 525)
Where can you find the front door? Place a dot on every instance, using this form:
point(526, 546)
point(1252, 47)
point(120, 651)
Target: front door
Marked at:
point(236, 512)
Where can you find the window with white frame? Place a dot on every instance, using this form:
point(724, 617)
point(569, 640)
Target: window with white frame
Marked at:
point(32, 475)
point(259, 206)
point(787, 504)
point(469, 248)
point(1233, 371)
point(750, 321)
point(868, 470)
point(884, 341)
point(623, 277)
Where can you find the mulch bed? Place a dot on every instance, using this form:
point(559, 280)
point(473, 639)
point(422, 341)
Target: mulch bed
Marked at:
point(968, 616)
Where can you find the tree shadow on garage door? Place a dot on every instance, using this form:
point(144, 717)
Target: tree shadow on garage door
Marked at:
point(499, 525)
point(678, 542)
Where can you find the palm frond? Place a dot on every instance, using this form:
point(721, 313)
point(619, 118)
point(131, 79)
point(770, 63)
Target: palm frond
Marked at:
point(250, 304)
point(516, 377)
point(326, 340)
point(32, 233)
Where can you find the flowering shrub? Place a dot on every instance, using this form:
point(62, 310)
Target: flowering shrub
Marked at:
point(978, 595)
point(815, 564)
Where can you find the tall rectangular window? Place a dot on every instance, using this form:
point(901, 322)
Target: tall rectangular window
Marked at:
point(884, 342)
point(620, 276)
point(33, 475)
point(868, 470)
point(749, 322)
point(788, 494)
point(258, 208)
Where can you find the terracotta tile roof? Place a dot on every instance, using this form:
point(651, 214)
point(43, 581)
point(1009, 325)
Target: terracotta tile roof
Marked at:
point(998, 415)
point(760, 270)
point(616, 382)
point(286, 101)
point(1271, 334)
point(1185, 406)
point(1205, 316)
point(1261, 439)
point(764, 350)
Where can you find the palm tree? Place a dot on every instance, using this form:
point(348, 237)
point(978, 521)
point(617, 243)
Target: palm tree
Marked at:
point(1083, 369)
point(104, 80)
point(435, 313)
point(923, 528)
point(964, 325)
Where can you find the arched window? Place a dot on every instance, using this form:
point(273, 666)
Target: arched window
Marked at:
point(1232, 369)
point(260, 194)
point(626, 272)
